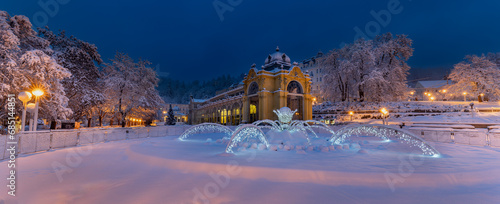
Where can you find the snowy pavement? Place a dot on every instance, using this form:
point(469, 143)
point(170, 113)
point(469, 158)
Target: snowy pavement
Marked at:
point(166, 170)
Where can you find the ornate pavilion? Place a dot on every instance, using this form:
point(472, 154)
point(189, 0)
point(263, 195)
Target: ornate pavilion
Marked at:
point(277, 84)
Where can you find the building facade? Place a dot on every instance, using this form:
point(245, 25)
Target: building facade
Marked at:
point(436, 88)
point(277, 84)
point(181, 112)
point(312, 67)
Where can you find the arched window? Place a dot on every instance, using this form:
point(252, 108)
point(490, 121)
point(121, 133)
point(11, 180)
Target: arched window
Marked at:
point(294, 87)
point(253, 89)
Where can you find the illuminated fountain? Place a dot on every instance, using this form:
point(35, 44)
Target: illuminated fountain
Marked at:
point(288, 134)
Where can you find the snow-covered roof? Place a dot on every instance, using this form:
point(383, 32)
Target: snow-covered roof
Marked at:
point(432, 84)
point(199, 100)
point(277, 59)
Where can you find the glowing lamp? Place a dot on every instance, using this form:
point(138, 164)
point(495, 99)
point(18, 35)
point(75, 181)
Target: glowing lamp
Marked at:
point(351, 113)
point(464, 93)
point(31, 107)
point(384, 111)
point(37, 92)
point(24, 96)
point(432, 98)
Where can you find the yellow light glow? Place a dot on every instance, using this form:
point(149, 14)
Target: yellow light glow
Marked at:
point(444, 91)
point(412, 92)
point(314, 99)
point(37, 92)
point(351, 113)
point(464, 93)
point(384, 111)
point(432, 98)
point(164, 112)
point(481, 94)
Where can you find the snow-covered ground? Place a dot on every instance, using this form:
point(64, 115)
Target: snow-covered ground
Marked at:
point(166, 170)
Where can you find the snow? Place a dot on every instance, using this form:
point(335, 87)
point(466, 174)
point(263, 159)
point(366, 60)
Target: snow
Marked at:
point(166, 170)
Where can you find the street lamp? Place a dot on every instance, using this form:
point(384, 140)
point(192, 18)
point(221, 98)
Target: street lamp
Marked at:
point(351, 113)
point(31, 108)
point(384, 112)
point(24, 97)
point(465, 94)
point(37, 93)
point(432, 98)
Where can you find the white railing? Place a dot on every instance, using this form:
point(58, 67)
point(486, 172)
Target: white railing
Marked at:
point(31, 142)
point(478, 137)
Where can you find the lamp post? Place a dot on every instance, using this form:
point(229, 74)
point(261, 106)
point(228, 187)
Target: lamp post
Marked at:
point(31, 108)
point(24, 97)
point(351, 113)
point(37, 93)
point(465, 94)
point(384, 112)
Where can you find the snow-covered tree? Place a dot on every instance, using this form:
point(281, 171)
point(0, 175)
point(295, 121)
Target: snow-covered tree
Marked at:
point(477, 75)
point(369, 70)
point(26, 63)
point(81, 58)
point(131, 85)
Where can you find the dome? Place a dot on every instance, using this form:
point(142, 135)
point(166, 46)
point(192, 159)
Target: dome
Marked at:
point(276, 60)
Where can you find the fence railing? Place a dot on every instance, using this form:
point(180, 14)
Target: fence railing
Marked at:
point(31, 142)
point(478, 137)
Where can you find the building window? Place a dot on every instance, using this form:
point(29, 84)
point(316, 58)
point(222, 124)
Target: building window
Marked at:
point(253, 109)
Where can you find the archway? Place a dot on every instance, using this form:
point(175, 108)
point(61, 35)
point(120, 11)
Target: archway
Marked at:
point(295, 99)
point(253, 99)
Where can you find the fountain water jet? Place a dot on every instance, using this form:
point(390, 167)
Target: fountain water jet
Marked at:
point(288, 131)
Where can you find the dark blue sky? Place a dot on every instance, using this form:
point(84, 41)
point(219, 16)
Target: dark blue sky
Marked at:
point(189, 41)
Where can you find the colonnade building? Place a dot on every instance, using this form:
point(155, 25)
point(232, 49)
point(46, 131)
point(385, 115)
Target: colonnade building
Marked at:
point(277, 84)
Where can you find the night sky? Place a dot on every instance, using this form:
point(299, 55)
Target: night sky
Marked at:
point(188, 40)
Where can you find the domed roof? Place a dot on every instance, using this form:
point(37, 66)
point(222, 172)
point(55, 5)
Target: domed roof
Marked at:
point(276, 60)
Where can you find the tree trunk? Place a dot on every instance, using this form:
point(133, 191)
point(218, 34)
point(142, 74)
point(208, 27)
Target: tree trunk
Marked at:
point(100, 121)
point(89, 120)
point(123, 120)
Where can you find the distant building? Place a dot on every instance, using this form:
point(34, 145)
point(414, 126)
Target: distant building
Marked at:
point(437, 88)
point(181, 112)
point(277, 84)
point(311, 67)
